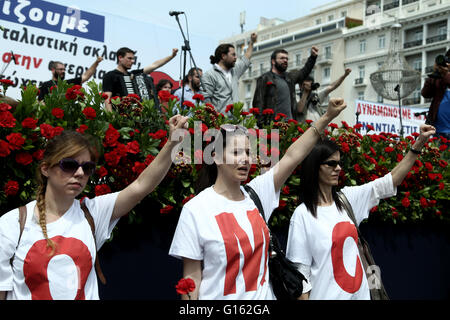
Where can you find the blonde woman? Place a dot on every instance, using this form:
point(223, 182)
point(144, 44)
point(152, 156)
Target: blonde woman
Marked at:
point(56, 253)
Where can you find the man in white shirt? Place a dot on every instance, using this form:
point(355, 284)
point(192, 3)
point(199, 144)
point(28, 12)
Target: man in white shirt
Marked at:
point(221, 83)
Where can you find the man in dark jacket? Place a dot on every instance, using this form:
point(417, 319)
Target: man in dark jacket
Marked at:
point(276, 89)
point(437, 87)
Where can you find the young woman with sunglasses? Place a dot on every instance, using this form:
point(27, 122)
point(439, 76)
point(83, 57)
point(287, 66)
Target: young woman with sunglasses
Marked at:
point(221, 236)
point(55, 255)
point(320, 233)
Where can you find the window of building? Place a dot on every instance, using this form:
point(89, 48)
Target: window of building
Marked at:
point(417, 64)
point(298, 59)
point(331, 17)
point(442, 30)
point(418, 35)
point(248, 92)
point(360, 95)
point(362, 46)
point(362, 72)
point(261, 68)
point(381, 41)
point(326, 74)
point(343, 14)
point(328, 52)
point(318, 21)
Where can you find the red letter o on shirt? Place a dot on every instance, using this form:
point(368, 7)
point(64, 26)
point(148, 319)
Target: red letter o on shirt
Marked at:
point(348, 283)
point(37, 260)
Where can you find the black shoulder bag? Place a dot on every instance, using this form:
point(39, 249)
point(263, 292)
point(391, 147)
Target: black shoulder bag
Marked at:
point(286, 280)
point(377, 290)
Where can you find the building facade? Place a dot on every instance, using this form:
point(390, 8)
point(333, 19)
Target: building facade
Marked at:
point(352, 34)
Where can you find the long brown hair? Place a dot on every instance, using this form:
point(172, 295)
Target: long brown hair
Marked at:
point(67, 144)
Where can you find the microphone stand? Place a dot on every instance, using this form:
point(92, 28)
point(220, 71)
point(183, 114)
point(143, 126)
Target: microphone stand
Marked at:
point(186, 48)
point(397, 89)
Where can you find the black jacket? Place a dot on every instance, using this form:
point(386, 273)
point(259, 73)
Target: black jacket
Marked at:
point(266, 95)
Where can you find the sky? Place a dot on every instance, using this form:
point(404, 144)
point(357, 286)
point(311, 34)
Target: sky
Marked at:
point(213, 19)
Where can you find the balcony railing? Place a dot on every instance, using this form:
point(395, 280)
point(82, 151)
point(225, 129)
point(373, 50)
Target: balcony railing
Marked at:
point(411, 101)
point(411, 44)
point(325, 58)
point(391, 5)
point(437, 38)
point(405, 2)
point(359, 82)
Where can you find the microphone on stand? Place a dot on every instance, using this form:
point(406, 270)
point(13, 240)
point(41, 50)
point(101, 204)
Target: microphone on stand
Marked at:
point(13, 58)
point(175, 13)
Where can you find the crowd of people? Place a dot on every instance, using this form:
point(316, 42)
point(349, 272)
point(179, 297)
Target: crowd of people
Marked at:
point(221, 236)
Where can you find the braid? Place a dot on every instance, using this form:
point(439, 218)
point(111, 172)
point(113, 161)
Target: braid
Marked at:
point(40, 199)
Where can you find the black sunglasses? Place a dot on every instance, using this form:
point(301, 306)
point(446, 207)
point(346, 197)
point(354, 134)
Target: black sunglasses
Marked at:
point(228, 127)
point(333, 163)
point(70, 165)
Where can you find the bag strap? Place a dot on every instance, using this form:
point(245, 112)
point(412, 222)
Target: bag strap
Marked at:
point(90, 220)
point(254, 196)
point(22, 220)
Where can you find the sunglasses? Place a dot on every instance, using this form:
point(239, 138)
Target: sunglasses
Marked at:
point(228, 127)
point(70, 165)
point(333, 163)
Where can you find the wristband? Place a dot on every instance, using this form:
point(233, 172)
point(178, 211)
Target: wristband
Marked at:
point(321, 135)
point(415, 151)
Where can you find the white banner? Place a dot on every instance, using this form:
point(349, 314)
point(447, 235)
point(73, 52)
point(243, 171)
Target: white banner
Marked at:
point(37, 32)
point(385, 117)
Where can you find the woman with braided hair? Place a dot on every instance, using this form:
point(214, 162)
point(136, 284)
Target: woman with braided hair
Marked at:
point(54, 257)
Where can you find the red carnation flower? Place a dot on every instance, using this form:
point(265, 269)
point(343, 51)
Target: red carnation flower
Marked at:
point(102, 189)
point(167, 209)
point(333, 125)
point(268, 111)
point(15, 141)
point(89, 113)
point(6, 82)
point(388, 149)
point(134, 96)
point(82, 128)
point(138, 167)
point(38, 154)
point(4, 148)
point(24, 158)
point(133, 147)
point(58, 113)
point(111, 158)
point(423, 202)
point(185, 286)
point(443, 163)
point(101, 172)
point(405, 202)
point(7, 120)
point(158, 134)
point(254, 111)
point(429, 166)
point(11, 188)
point(188, 104)
point(111, 136)
point(229, 108)
point(5, 107)
point(29, 123)
point(198, 96)
point(345, 148)
point(186, 200)
point(269, 83)
point(164, 95)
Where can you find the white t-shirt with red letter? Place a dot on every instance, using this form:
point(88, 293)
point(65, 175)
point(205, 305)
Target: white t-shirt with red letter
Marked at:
point(232, 239)
point(328, 243)
point(69, 273)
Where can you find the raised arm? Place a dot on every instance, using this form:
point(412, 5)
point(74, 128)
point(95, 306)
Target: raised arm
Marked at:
point(89, 72)
point(149, 179)
point(338, 82)
point(249, 52)
point(159, 63)
point(303, 146)
point(402, 168)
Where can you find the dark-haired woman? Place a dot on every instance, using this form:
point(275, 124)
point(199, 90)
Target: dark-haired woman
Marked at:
point(221, 236)
point(322, 238)
point(53, 259)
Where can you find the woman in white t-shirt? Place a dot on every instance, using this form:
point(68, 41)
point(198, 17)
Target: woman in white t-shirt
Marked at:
point(56, 253)
point(221, 236)
point(322, 238)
